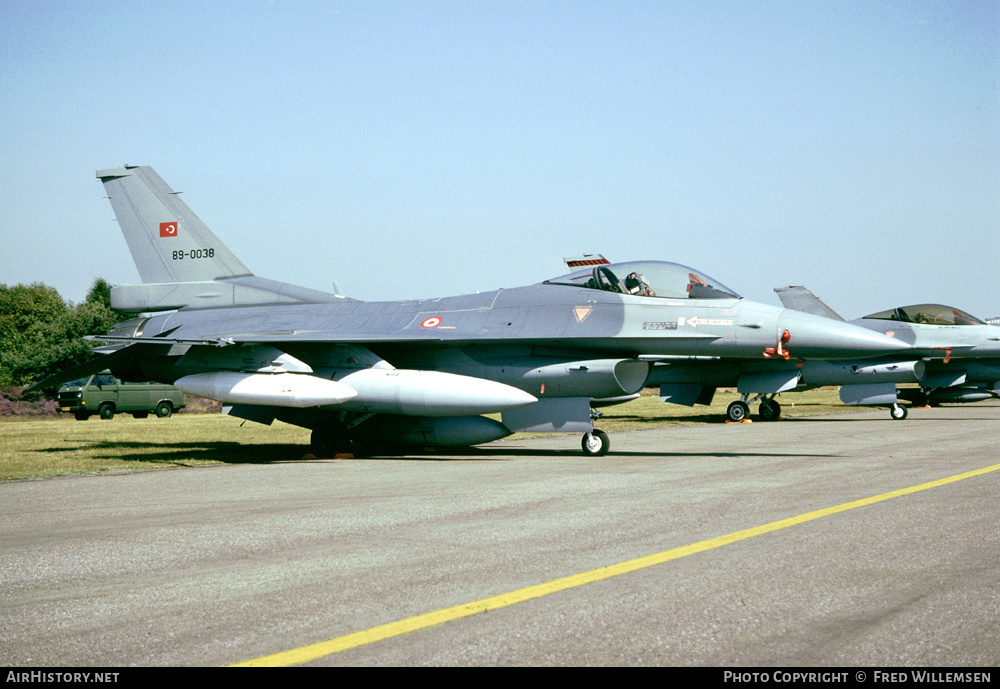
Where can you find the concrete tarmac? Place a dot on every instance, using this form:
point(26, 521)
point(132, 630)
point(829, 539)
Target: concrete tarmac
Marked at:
point(217, 565)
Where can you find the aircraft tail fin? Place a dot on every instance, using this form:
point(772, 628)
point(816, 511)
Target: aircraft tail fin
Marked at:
point(181, 262)
point(169, 243)
point(801, 299)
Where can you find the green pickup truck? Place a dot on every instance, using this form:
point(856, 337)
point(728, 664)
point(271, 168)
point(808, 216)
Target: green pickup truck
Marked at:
point(104, 394)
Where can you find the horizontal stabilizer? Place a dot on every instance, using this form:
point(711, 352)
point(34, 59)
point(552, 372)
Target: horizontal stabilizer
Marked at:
point(99, 364)
point(801, 299)
point(243, 291)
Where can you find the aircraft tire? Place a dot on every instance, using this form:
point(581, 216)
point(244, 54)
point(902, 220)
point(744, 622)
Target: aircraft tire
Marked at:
point(107, 411)
point(738, 411)
point(596, 444)
point(897, 412)
point(769, 410)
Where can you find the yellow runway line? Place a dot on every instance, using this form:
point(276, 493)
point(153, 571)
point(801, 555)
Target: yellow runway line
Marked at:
point(305, 654)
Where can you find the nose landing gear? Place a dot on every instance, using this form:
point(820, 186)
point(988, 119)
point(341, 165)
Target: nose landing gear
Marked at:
point(596, 444)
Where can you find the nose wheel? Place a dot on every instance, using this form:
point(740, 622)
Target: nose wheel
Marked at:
point(596, 444)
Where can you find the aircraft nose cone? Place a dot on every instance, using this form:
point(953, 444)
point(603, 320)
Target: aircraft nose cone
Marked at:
point(815, 337)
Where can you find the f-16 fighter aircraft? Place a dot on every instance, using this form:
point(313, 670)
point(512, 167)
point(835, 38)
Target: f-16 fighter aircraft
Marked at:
point(955, 358)
point(961, 357)
point(423, 372)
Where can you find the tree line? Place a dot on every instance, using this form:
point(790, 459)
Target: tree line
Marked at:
point(41, 333)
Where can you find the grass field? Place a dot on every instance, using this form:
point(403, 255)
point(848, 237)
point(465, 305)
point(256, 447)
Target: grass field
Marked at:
point(34, 448)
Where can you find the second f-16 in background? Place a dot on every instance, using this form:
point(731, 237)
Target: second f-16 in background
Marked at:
point(954, 357)
point(960, 356)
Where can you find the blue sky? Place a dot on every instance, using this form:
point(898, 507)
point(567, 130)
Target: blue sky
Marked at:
point(423, 149)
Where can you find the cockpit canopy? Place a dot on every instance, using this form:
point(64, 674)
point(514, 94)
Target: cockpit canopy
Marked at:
point(932, 314)
point(648, 279)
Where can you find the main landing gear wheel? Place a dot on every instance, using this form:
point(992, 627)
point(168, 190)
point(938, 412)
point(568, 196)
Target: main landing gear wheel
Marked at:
point(596, 444)
point(897, 412)
point(769, 410)
point(738, 411)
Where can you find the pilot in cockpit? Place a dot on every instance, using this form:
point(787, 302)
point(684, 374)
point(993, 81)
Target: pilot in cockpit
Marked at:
point(635, 284)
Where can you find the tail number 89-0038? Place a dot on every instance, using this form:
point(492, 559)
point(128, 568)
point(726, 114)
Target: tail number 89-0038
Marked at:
point(194, 253)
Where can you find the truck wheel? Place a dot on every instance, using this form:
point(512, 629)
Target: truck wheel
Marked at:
point(163, 410)
point(107, 411)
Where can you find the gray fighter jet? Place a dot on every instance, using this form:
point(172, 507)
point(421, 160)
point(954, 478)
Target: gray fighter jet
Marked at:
point(955, 358)
point(961, 357)
point(423, 372)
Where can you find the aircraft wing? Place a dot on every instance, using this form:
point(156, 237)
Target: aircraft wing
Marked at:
point(801, 299)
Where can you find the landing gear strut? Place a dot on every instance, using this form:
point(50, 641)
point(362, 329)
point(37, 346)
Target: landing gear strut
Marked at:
point(739, 411)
